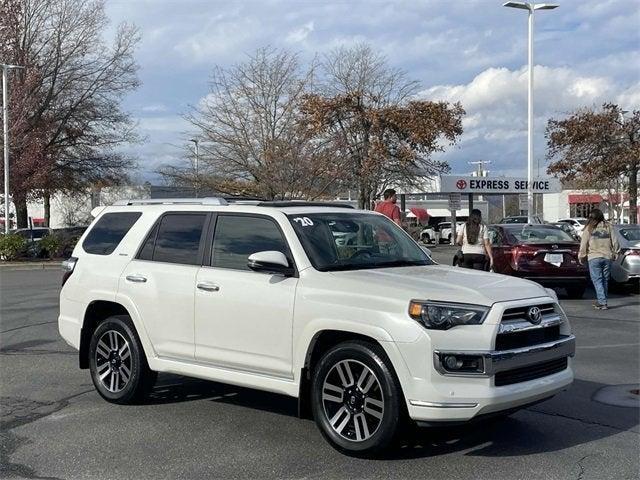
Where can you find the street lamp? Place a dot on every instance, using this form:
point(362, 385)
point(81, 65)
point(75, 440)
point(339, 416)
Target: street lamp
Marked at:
point(195, 141)
point(531, 8)
point(5, 138)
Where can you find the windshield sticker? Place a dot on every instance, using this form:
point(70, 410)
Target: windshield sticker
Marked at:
point(304, 221)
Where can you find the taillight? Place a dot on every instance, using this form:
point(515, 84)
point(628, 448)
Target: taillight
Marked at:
point(522, 254)
point(68, 266)
point(631, 252)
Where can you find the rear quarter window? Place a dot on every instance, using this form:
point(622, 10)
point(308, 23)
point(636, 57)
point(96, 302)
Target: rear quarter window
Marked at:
point(108, 232)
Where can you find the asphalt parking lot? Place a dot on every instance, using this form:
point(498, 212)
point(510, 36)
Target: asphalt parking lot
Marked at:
point(54, 425)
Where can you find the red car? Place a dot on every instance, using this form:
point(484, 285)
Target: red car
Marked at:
point(543, 253)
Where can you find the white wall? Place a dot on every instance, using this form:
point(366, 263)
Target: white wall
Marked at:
point(555, 206)
point(68, 210)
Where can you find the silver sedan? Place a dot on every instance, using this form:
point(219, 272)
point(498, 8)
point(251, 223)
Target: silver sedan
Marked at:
point(626, 266)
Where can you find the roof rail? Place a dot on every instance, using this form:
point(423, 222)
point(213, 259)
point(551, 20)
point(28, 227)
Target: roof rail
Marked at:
point(302, 203)
point(173, 201)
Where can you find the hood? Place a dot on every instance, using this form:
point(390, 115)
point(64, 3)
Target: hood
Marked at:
point(444, 283)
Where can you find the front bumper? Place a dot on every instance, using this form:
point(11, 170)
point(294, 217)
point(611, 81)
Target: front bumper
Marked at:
point(435, 396)
point(495, 362)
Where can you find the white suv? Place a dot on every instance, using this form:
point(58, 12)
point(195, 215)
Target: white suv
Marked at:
point(337, 307)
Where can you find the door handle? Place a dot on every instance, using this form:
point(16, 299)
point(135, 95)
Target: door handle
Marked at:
point(136, 278)
point(208, 287)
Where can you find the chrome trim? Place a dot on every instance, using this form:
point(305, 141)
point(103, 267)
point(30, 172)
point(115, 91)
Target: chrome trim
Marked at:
point(419, 403)
point(520, 325)
point(499, 361)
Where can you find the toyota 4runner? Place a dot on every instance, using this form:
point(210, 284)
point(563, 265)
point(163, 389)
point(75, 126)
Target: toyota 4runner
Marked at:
point(335, 306)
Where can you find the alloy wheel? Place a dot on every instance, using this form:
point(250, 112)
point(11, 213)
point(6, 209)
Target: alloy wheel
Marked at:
point(353, 401)
point(113, 361)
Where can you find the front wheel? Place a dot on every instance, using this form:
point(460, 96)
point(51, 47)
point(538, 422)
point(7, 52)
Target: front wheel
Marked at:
point(357, 401)
point(426, 238)
point(117, 362)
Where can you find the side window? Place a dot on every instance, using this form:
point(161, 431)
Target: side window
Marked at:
point(237, 237)
point(146, 252)
point(177, 239)
point(108, 232)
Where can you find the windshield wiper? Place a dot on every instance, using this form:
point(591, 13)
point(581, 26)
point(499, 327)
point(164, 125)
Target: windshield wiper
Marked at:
point(369, 266)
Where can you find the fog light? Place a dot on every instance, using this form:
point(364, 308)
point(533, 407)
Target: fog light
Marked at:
point(452, 363)
point(462, 363)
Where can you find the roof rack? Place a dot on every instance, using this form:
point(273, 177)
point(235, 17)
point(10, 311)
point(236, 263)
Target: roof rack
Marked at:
point(302, 203)
point(173, 201)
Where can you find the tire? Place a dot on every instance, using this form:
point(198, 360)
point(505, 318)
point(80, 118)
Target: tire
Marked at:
point(426, 238)
point(358, 415)
point(576, 291)
point(118, 365)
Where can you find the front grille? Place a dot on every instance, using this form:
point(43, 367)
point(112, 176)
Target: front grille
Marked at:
point(521, 312)
point(527, 338)
point(530, 372)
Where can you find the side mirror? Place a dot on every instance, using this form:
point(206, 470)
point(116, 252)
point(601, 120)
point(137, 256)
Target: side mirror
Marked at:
point(270, 262)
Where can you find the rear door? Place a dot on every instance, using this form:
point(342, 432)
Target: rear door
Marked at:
point(161, 281)
point(244, 319)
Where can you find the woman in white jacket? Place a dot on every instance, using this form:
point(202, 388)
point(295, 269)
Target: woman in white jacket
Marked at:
point(474, 239)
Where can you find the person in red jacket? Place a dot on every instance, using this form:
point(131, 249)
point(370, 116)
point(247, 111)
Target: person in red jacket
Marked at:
point(388, 206)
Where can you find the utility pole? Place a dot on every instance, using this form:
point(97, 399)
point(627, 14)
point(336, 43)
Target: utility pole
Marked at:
point(531, 8)
point(5, 137)
point(197, 182)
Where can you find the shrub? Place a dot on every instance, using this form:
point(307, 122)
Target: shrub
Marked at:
point(12, 246)
point(51, 245)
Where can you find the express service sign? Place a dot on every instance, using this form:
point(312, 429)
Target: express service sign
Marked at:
point(485, 185)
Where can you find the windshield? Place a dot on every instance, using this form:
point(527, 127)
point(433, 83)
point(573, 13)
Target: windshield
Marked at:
point(582, 221)
point(631, 234)
point(540, 234)
point(354, 240)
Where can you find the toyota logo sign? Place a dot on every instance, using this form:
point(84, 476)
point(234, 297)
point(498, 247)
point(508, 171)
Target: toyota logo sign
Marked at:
point(535, 315)
point(461, 184)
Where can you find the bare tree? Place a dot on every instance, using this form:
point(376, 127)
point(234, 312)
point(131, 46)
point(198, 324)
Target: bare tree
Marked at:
point(251, 138)
point(71, 93)
point(597, 146)
point(368, 112)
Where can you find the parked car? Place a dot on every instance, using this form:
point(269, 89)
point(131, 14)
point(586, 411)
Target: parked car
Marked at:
point(578, 223)
point(626, 266)
point(266, 296)
point(446, 232)
point(520, 219)
point(543, 253)
point(34, 234)
point(428, 234)
point(568, 229)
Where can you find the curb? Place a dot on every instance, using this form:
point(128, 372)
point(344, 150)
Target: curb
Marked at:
point(30, 266)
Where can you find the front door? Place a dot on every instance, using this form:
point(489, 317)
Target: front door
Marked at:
point(243, 319)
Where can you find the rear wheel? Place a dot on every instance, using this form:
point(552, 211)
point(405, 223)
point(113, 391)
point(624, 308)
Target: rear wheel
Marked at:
point(357, 401)
point(117, 362)
point(576, 291)
point(426, 238)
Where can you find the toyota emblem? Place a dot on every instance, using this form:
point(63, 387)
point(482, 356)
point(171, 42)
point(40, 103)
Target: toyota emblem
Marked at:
point(535, 315)
point(461, 184)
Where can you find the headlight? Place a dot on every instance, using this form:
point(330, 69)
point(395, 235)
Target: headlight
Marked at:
point(443, 316)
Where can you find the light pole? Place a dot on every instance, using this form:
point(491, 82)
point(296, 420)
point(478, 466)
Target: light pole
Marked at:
point(531, 8)
point(5, 138)
point(195, 141)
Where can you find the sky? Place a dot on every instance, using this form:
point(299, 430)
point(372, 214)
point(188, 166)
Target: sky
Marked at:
point(473, 51)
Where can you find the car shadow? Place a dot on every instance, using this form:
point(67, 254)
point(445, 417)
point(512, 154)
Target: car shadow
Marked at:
point(537, 429)
point(171, 388)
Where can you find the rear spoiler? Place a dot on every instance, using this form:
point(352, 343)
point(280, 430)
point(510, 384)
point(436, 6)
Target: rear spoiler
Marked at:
point(97, 211)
